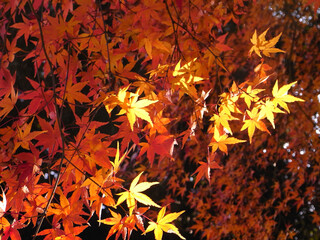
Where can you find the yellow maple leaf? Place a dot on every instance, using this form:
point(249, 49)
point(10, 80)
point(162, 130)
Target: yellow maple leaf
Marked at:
point(164, 224)
point(282, 97)
point(130, 105)
point(134, 194)
point(229, 100)
point(117, 160)
point(185, 79)
point(267, 109)
point(221, 141)
point(260, 44)
point(253, 123)
point(250, 95)
point(222, 119)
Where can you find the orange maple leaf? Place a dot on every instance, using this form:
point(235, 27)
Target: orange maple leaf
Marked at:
point(69, 211)
point(8, 103)
point(119, 224)
point(73, 93)
point(161, 144)
point(25, 136)
point(204, 169)
point(221, 140)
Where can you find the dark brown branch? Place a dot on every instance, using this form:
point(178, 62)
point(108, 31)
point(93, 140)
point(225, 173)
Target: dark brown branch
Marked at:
point(219, 61)
point(175, 31)
point(111, 77)
point(58, 117)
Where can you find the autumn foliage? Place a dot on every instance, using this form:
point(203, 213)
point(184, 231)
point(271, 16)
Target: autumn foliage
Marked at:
point(171, 117)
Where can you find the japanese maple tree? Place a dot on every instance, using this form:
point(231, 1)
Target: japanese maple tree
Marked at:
point(181, 118)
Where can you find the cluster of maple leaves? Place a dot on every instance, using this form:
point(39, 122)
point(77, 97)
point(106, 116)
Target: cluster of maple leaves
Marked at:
point(148, 67)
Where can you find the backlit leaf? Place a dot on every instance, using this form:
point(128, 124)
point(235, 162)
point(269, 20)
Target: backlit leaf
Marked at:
point(164, 224)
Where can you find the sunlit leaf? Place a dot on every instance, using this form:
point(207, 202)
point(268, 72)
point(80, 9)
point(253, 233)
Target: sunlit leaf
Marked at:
point(164, 224)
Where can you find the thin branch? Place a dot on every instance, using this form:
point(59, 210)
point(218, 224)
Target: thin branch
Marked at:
point(219, 61)
point(57, 116)
point(111, 77)
point(175, 30)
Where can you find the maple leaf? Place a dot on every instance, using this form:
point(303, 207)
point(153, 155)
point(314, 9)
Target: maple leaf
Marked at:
point(26, 28)
point(260, 44)
point(98, 184)
point(185, 79)
point(205, 168)
point(119, 224)
point(221, 141)
point(29, 164)
point(3, 204)
point(63, 209)
point(34, 206)
point(253, 123)
point(25, 136)
point(161, 144)
point(261, 69)
point(179, 4)
point(132, 107)
point(267, 109)
point(201, 106)
point(117, 160)
point(137, 216)
point(39, 98)
point(12, 49)
point(4, 227)
point(69, 211)
point(222, 119)
point(8, 230)
point(50, 139)
point(250, 95)
point(282, 97)
point(164, 224)
point(316, 218)
point(221, 46)
point(126, 133)
point(151, 41)
point(7, 82)
point(203, 171)
point(229, 100)
point(8, 103)
point(134, 194)
point(73, 93)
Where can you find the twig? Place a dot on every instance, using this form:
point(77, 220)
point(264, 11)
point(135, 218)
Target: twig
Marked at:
point(57, 116)
point(111, 77)
point(174, 30)
point(219, 61)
